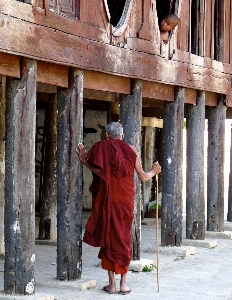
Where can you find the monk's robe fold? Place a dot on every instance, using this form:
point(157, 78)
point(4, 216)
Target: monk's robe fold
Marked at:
point(109, 225)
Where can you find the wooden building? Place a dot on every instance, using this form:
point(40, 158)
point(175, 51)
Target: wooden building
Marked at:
point(71, 56)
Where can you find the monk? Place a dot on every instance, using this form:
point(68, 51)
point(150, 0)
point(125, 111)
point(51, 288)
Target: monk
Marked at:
point(168, 24)
point(112, 163)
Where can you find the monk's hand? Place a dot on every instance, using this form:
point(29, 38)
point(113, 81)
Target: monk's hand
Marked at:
point(156, 168)
point(81, 153)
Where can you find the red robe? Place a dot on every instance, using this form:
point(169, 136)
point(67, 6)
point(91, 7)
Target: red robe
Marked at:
point(109, 225)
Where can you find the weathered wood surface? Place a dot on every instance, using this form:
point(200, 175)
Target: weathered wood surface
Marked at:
point(20, 181)
point(52, 74)
point(48, 206)
point(2, 159)
point(47, 18)
point(106, 82)
point(9, 65)
point(215, 166)
point(183, 27)
point(69, 179)
point(195, 198)
point(38, 40)
point(209, 13)
point(131, 120)
point(229, 214)
point(172, 177)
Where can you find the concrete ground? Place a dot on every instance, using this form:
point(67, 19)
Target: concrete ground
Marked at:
point(206, 274)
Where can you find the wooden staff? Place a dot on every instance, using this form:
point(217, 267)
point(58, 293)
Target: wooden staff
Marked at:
point(157, 233)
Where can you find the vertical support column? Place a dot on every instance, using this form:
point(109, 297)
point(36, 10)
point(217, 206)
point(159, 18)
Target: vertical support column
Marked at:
point(48, 211)
point(195, 200)
point(20, 181)
point(215, 173)
point(2, 159)
point(172, 184)
point(69, 179)
point(148, 151)
point(131, 120)
point(229, 214)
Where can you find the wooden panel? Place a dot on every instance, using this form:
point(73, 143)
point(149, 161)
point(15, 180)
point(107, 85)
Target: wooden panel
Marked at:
point(100, 95)
point(44, 43)
point(227, 12)
point(9, 65)
point(208, 27)
point(190, 96)
point(211, 99)
point(52, 74)
point(152, 122)
point(158, 91)
point(45, 88)
point(49, 19)
point(229, 99)
point(230, 31)
point(183, 27)
point(143, 45)
point(106, 82)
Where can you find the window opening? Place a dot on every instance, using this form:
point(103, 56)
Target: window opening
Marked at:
point(116, 8)
point(194, 31)
point(218, 31)
point(165, 7)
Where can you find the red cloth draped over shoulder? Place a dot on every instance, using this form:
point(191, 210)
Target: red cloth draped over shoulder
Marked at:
point(109, 225)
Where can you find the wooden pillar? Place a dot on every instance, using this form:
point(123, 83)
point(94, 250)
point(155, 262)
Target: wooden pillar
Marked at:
point(195, 200)
point(2, 159)
point(215, 173)
point(172, 164)
point(20, 181)
point(131, 120)
point(148, 151)
point(229, 214)
point(48, 210)
point(69, 179)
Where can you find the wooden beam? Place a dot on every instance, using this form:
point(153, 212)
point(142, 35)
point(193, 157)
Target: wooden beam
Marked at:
point(9, 65)
point(46, 88)
point(152, 122)
point(190, 96)
point(72, 50)
point(52, 74)
point(106, 82)
point(158, 91)
point(100, 95)
point(211, 99)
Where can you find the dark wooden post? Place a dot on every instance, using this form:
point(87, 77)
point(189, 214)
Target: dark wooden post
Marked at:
point(20, 181)
point(2, 159)
point(48, 210)
point(215, 173)
point(172, 164)
point(148, 157)
point(131, 120)
point(229, 214)
point(195, 200)
point(69, 179)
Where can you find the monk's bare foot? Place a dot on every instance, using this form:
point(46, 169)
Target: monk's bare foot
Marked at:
point(124, 289)
point(110, 289)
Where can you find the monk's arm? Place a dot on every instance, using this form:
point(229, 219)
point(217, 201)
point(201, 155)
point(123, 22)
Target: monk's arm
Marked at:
point(84, 160)
point(144, 176)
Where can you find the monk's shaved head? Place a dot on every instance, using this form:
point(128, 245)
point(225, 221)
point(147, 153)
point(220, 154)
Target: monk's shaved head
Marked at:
point(114, 130)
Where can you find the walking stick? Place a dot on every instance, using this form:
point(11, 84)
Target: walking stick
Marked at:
point(157, 233)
